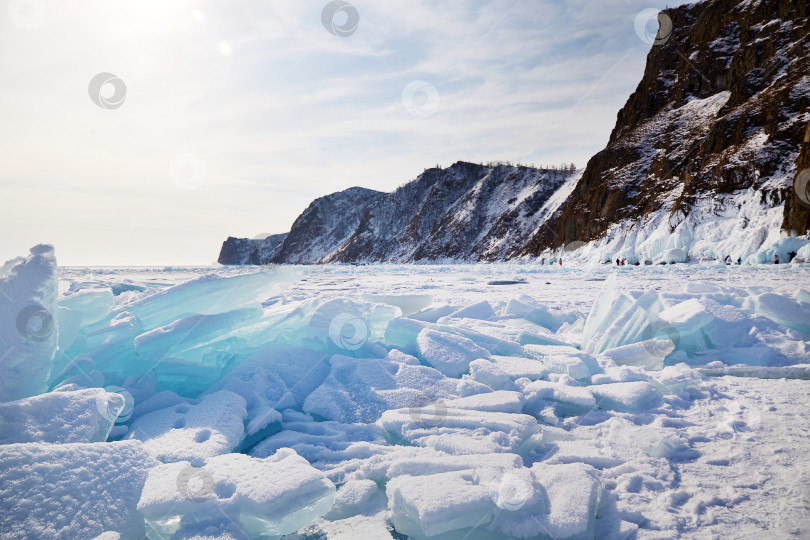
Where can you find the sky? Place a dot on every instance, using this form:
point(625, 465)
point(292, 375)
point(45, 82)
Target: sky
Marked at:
point(145, 132)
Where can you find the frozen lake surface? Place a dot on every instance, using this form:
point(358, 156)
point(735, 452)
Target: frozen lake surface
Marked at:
point(387, 401)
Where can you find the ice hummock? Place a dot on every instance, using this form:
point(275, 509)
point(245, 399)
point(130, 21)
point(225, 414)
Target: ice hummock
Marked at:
point(28, 331)
point(83, 415)
point(455, 414)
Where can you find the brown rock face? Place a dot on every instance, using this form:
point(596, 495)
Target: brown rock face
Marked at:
point(797, 216)
point(724, 105)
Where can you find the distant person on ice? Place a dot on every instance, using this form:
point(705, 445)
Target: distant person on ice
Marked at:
point(791, 255)
point(617, 261)
point(728, 259)
point(739, 260)
point(776, 259)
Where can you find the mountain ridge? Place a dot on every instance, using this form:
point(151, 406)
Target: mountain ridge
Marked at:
point(700, 164)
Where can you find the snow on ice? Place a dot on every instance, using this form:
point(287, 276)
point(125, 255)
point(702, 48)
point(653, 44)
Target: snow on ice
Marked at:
point(447, 402)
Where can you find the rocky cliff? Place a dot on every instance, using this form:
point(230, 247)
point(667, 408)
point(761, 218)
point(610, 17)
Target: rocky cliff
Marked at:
point(700, 165)
point(722, 110)
point(250, 250)
point(466, 212)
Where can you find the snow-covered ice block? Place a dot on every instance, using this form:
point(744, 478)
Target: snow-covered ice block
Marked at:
point(493, 337)
point(439, 462)
point(517, 308)
point(498, 401)
point(81, 416)
point(614, 374)
point(567, 400)
point(649, 354)
point(624, 396)
point(686, 317)
point(418, 383)
point(155, 402)
point(72, 490)
point(549, 318)
point(93, 304)
point(490, 374)
point(272, 496)
point(602, 455)
point(359, 496)
point(193, 432)
point(401, 334)
point(425, 506)
point(572, 491)
point(568, 360)
point(730, 326)
point(459, 431)
point(785, 311)
point(450, 354)
point(28, 332)
point(678, 378)
point(481, 310)
point(527, 309)
point(500, 372)
point(408, 303)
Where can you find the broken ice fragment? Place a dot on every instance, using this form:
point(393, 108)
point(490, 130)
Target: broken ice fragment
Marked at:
point(624, 396)
point(208, 295)
point(81, 416)
point(408, 303)
point(93, 304)
point(420, 510)
point(448, 353)
point(785, 311)
point(572, 491)
point(649, 354)
point(273, 496)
